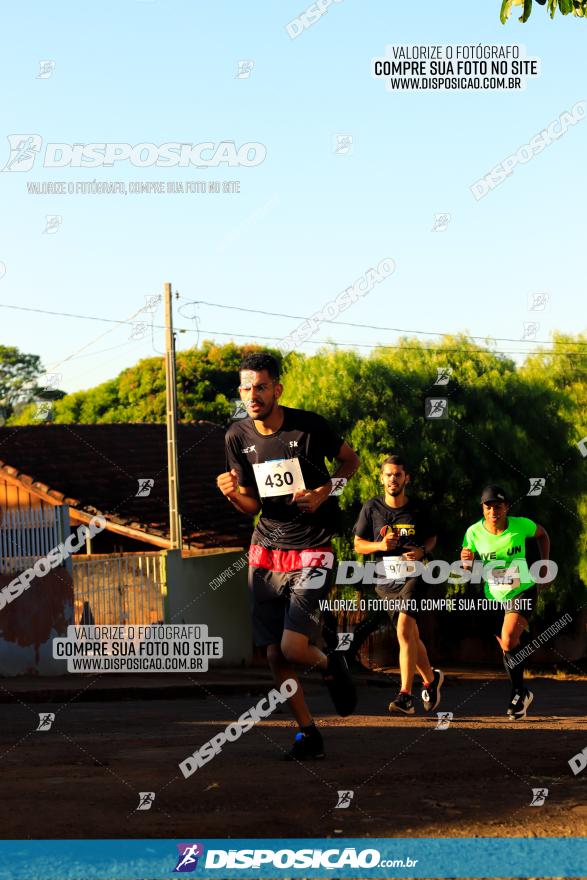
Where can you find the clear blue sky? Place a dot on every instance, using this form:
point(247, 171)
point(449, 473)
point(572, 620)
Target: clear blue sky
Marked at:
point(307, 222)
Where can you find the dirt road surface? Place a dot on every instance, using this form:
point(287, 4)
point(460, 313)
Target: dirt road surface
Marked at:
point(82, 778)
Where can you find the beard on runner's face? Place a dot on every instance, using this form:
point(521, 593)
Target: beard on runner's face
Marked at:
point(258, 408)
point(257, 393)
point(394, 483)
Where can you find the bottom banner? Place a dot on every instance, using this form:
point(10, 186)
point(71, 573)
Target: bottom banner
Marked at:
point(489, 857)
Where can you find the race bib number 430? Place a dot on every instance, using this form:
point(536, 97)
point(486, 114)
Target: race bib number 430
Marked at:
point(280, 477)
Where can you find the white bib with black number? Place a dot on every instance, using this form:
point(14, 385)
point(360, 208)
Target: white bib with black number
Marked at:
point(397, 568)
point(503, 580)
point(282, 476)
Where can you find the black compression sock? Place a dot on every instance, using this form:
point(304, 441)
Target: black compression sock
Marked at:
point(515, 662)
point(514, 668)
point(329, 629)
point(310, 730)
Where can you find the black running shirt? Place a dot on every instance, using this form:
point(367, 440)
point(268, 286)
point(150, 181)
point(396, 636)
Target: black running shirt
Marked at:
point(413, 521)
point(307, 437)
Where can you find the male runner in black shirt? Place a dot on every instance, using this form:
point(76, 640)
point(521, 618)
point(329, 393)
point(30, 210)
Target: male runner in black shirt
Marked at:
point(396, 529)
point(276, 465)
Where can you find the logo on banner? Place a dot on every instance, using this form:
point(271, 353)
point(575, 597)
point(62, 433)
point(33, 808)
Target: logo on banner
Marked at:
point(310, 578)
point(187, 861)
point(315, 567)
point(317, 558)
point(23, 150)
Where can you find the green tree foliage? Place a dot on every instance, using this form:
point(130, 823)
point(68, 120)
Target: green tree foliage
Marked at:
point(19, 373)
point(566, 7)
point(564, 369)
point(503, 426)
point(207, 382)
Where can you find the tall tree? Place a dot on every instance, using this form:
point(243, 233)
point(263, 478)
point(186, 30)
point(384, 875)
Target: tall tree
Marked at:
point(501, 426)
point(564, 368)
point(207, 382)
point(566, 7)
point(19, 373)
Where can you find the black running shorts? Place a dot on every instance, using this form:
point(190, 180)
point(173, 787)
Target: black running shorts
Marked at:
point(527, 607)
point(285, 589)
point(403, 597)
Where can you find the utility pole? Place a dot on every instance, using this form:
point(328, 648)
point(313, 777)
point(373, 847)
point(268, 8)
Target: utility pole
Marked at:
point(171, 419)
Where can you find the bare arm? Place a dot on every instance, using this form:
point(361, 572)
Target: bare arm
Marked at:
point(389, 542)
point(348, 462)
point(365, 547)
point(244, 498)
point(543, 541)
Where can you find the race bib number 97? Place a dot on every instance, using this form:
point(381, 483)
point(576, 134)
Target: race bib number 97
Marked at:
point(280, 477)
point(397, 568)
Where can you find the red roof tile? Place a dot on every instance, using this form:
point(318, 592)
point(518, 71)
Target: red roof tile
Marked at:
point(96, 469)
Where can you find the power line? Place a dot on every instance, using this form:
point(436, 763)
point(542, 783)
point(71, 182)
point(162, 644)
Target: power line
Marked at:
point(395, 347)
point(73, 315)
point(371, 326)
point(78, 351)
point(320, 341)
point(100, 351)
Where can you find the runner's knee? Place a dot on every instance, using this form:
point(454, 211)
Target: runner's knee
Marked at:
point(292, 649)
point(275, 655)
point(510, 641)
point(406, 628)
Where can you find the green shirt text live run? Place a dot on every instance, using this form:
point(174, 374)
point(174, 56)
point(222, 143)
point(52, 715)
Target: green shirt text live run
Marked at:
point(502, 550)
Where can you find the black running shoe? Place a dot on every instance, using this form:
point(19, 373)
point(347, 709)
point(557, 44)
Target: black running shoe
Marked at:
point(403, 703)
point(340, 684)
point(306, 747)
point(519, 704)
point(431, 694)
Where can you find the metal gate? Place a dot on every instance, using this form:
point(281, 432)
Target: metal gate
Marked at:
point(29, 533)
point(126, 588)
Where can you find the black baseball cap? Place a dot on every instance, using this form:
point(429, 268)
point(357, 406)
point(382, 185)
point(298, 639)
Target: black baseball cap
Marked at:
point(493, 493)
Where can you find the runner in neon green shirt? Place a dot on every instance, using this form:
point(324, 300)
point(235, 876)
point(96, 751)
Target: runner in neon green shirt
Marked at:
point(500, 540)
point(507, 550)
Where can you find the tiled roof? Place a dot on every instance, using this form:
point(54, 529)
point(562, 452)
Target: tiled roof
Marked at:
point(96, 469)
